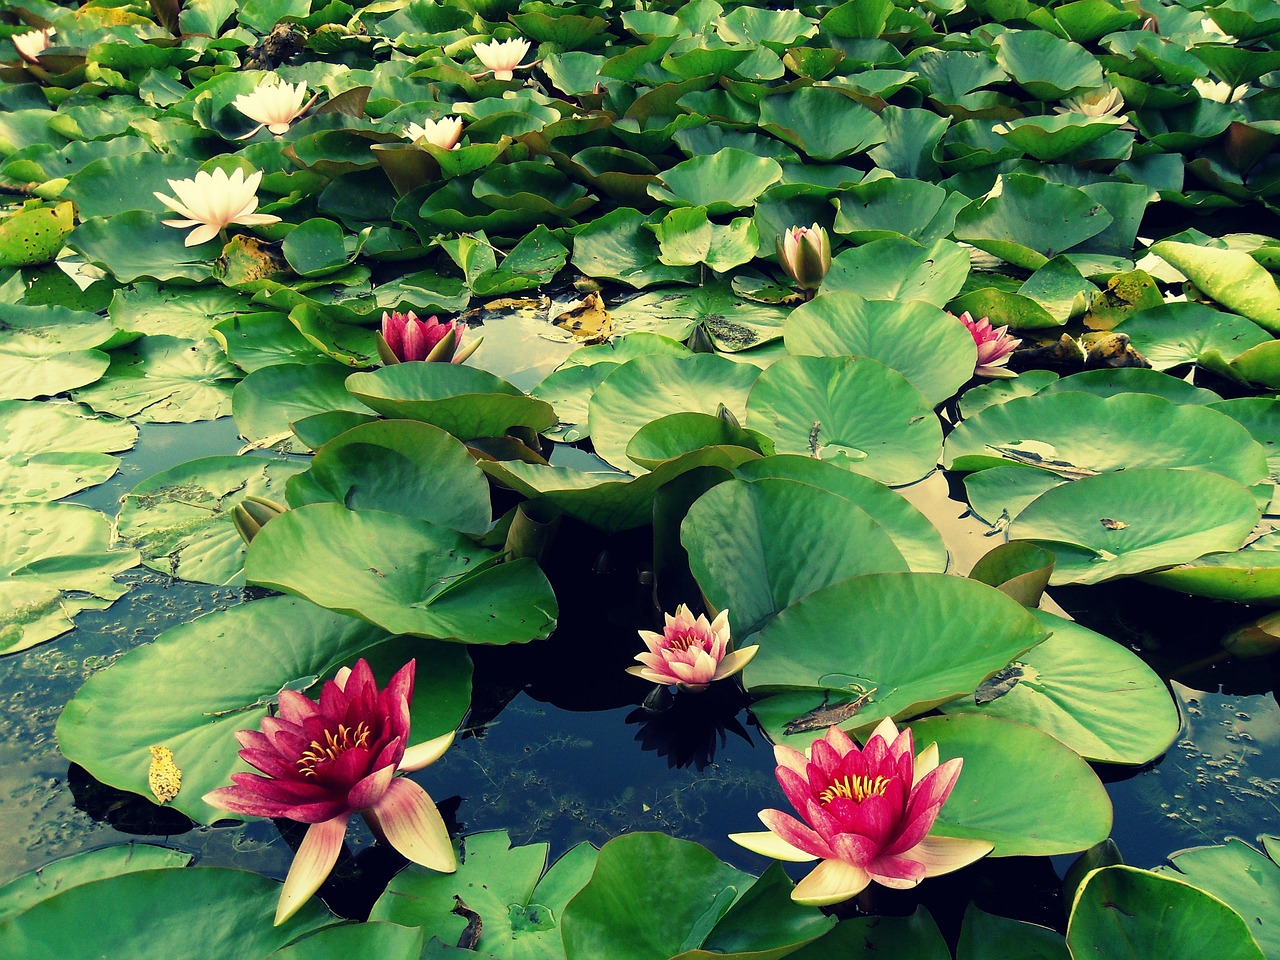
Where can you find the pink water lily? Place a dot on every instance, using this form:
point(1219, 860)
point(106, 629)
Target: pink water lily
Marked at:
point(404, 338)
point(866, 815)
point(690, 653)
point(33, 43)
point(503, 56)
point(326, 760)
point(994, 346)
point(805, 253)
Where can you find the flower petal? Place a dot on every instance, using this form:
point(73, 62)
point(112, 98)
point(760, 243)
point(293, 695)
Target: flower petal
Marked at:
point(769, 844)
point(943, 854)
point(312, 863)
point(832, 881)
point(734, 662)
point(426, 753)
point(409, 820)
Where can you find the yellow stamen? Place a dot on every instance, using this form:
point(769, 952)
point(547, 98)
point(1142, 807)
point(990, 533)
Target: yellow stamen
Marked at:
point(855, 788)
point(334, 746)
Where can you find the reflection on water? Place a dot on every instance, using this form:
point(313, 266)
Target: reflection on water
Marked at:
point(559, 749)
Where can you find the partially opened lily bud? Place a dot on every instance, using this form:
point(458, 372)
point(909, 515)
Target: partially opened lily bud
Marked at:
point(274, 104)
point(994, 346)
point(805, 253)
point(444, 133)
point(252, 514)
point(404, 337)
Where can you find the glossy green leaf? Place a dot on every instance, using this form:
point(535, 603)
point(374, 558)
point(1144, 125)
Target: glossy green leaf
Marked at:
point(896, 268)
point(50, 451)
point(406, 575)
point(228, 685)
point(722, 182)
point(1231, 277)
point(822, 122)
point(1045, 66)
point(386, 941)
point(986, 936)
point(164, 379)
point(135, 245)
point(1241, 877)
point(870, 938)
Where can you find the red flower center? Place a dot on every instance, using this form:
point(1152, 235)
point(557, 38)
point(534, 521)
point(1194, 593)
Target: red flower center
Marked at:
point(854, 788)
point(335, 745)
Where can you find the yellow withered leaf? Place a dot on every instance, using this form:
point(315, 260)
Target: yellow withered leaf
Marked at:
point(587, 320)
point(163, 776)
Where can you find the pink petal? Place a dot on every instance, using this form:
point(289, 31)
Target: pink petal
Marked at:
point(409, 820)
point(796, 834)
point(371, 789)
point(793, 760)
point(901, 873)
point(851, 848)
point(769, 844)
point(312, 863)
point(832, 881)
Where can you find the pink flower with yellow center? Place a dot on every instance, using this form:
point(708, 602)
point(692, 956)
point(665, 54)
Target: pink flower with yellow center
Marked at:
point(404, 337)
point(326, 760)
point(866, 814)
point(994, 346)
point(690, 653)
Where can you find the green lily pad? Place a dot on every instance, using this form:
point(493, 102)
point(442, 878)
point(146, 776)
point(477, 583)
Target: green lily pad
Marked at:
point(180, 519)
point(113, 185)
point(867, 938)
point(183, 312)
point(653, 897)
point(755, 548)
point(620, 246)
point(164, 380)
point(853, 411)
point(1028, 221)
point(985, 936)
point(465, 401)
point(1248, 575)
point(1019, 788)
point(569, 391)
point(270, 399)
point(1123, 913)
point(50, 450)
point(406, 575)
point(386, 941)
point(722, 182)
point(399, 466)
point(1058, 432)
point(999, 494)
point(893, 207)
point(687, 237)
point(647, 388)
point(671, 437)
point(34, 234)
point(1180, 333)
point(26, 891)
point(822, 122)
point(1241, 877)
point(1136, 521)
point(916, 538)
point(519, 901)
point(1125, 380)
point(1086, 691)
point(228, 685)
point(45, 351)
point(135, 245)
point(733, 323)
point(158, 914)
point(976, 399)
point(878, 641)
point(1046, 66)
point(931, 349)
point(1052, 137)
point(896, 268)
point(1231, 277)
point(58, 559)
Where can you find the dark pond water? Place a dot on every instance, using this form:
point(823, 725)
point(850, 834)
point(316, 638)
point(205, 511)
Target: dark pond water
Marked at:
point(558, 749)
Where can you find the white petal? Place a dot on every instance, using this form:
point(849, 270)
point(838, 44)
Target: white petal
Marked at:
point(832, 881)
point(426, 753)
point(769, 844)
point(926, 760)
point(311, 864)
point(944, 854)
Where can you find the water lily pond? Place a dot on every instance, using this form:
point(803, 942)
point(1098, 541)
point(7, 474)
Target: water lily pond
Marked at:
point(573, 481)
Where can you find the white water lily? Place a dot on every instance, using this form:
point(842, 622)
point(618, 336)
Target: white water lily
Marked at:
point(213, 201)
point(274, 104)
point(444, 133)
point(1221, 92)
point(502, 56)
point(1105, 101)
point(31, 45)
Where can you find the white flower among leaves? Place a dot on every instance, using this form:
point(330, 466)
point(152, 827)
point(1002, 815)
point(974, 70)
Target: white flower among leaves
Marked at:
point(31, 45)
point(503, 56)
point(213, 201)
point(444, 133)
point(1221, 92)
point(274, 104)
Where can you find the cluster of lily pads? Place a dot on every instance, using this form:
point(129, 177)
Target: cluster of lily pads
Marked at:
point(752, 269)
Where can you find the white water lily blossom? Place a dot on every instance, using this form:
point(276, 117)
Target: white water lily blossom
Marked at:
point(1105, 101)
point(1221, 92)
point(213, 201)
point(274, 104)
point(502, 56)
point(30, 45)
point(444, 133)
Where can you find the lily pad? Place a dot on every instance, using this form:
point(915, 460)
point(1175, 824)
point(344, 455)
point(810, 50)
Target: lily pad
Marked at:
point(1085, 691)
point(164, 379)
point(1241, 877)
point(1180, 333)
point(406, 575)
point(1231, 277)
point(228, 684)
point(190, 314)
point(58, 559)
point(386, 941)
point(897, 268)
point(732, 323)
point(755, 548)
point(822, 122)
point(1136, 521)
point(1248, 575)
point(271, 399)
point(722, 182)
point(650, 387)
point(931, 349)
point(180, 519)
point(465, 401)
point(853, 411)
point(1028, 221)
point(519, 901)
point(878, 641)
point(51, 450)
point(135, 245)
point(44, 351)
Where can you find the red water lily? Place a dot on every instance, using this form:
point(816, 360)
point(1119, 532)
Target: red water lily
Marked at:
point(325, 760)
point(994, 346)
point(866, 815)
point(404, 337)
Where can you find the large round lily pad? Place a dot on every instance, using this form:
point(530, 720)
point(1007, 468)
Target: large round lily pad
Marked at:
point(406, 575)
point(164, 379)
point(1248, 575)
point(893, 644)
point(1086, 691)
point(853, 411)
point(755, 548)
point(180, 519)
point(1241, 877)
point(49, 451)
point(270, 399)
point(230, 667)
point(1136, 521)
